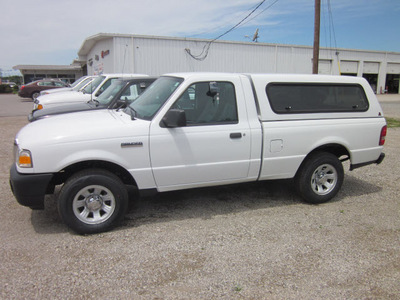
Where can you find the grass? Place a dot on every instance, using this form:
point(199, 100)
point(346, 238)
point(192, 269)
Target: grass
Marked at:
point(392, 122)
point(238, 288)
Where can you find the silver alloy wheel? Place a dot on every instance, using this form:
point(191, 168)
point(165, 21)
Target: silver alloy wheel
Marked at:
point(35, 95)
point(324, 179)
point(93, 204)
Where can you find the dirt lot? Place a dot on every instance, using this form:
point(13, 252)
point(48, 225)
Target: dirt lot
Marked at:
point(250, 241)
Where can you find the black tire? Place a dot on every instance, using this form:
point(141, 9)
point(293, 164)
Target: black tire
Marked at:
point(35, 95)
point(319, 178)
point(92, 201)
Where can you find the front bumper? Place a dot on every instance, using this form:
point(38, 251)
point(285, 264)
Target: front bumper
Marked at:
point(29, 189)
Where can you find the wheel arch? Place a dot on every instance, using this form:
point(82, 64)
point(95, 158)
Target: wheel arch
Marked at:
point(336, 149)
point(340, 151)
point(116, 169)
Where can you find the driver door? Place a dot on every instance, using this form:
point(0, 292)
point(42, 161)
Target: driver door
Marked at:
point(213, 147)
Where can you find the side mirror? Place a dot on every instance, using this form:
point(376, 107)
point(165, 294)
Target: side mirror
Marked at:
point(213, 89)
point(174, 118)
point(122, 103)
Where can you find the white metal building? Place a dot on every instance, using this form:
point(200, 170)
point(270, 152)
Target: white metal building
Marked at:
point(126, 53)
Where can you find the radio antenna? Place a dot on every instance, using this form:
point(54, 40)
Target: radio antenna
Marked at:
point(123, 64)
point(256, 36)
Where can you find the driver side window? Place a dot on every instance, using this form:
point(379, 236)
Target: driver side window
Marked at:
point(203, 108)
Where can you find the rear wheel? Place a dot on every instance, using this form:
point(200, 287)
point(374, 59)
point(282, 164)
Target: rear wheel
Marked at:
point(92, 201)
point(319, 178)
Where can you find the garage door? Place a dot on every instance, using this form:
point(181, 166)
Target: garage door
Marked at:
point(347, 66)
point(371, 68)
point(393, 68)
point(325, 67)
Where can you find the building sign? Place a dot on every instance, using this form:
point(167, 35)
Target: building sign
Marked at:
point(98, 69)
point(105, 53)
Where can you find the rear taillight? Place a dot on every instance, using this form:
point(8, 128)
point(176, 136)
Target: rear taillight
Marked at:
point(383, 136)
point(22, 87)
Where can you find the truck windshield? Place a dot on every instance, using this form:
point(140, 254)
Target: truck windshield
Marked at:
point(148, 104)
point(82, 84)
point(93, 85)
point(110, 92)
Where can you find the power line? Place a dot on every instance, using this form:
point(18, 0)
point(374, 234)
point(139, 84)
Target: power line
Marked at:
point(331, 23)
point(204, 53)
point(216, 28)
point(334, 34)
point(269, 6)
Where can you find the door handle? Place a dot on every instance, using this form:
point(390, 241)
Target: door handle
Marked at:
point(235, 135)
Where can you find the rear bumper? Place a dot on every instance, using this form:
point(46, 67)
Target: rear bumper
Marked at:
point(378, 161)
point(29, 189)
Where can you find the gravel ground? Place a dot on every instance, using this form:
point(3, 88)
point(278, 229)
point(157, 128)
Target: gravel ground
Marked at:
point(249, 241)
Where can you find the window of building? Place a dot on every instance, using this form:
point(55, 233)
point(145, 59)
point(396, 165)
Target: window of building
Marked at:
point(286, 98)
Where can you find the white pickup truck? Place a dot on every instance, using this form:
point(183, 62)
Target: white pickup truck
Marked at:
point(194, 130)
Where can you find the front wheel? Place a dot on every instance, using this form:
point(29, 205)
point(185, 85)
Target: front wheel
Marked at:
point(319, 178)
point(92, 201)
point(35, 95)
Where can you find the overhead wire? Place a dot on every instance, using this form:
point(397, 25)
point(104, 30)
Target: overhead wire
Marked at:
point(332, 33)
point(331, 22)
point(227, 23)
point(268, 7)
point(204, 53)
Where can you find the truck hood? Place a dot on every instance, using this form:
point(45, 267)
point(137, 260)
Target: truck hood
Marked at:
point(63, 98)
point(59, 90)
point(85, 126)
point(63, 109)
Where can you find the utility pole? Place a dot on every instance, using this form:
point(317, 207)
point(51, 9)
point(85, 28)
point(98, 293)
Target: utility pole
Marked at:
point(317, 23)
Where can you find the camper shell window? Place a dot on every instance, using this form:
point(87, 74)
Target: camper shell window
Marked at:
point(288, 98)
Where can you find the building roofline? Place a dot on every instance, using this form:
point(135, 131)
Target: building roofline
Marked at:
point(89, 42)
point(47, 67)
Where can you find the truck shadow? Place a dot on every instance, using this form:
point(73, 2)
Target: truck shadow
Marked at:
point(204, 203)
point(208, 202)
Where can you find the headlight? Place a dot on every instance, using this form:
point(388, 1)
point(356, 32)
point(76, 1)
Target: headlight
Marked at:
point(23, 157)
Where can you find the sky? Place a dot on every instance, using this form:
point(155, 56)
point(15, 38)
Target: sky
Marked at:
point(50, 32)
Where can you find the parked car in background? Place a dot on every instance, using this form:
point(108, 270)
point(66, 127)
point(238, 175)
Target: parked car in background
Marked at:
point(33, 89)
point(79, 84)
point(119, 94)
point(90, 92)
point(10, 83)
